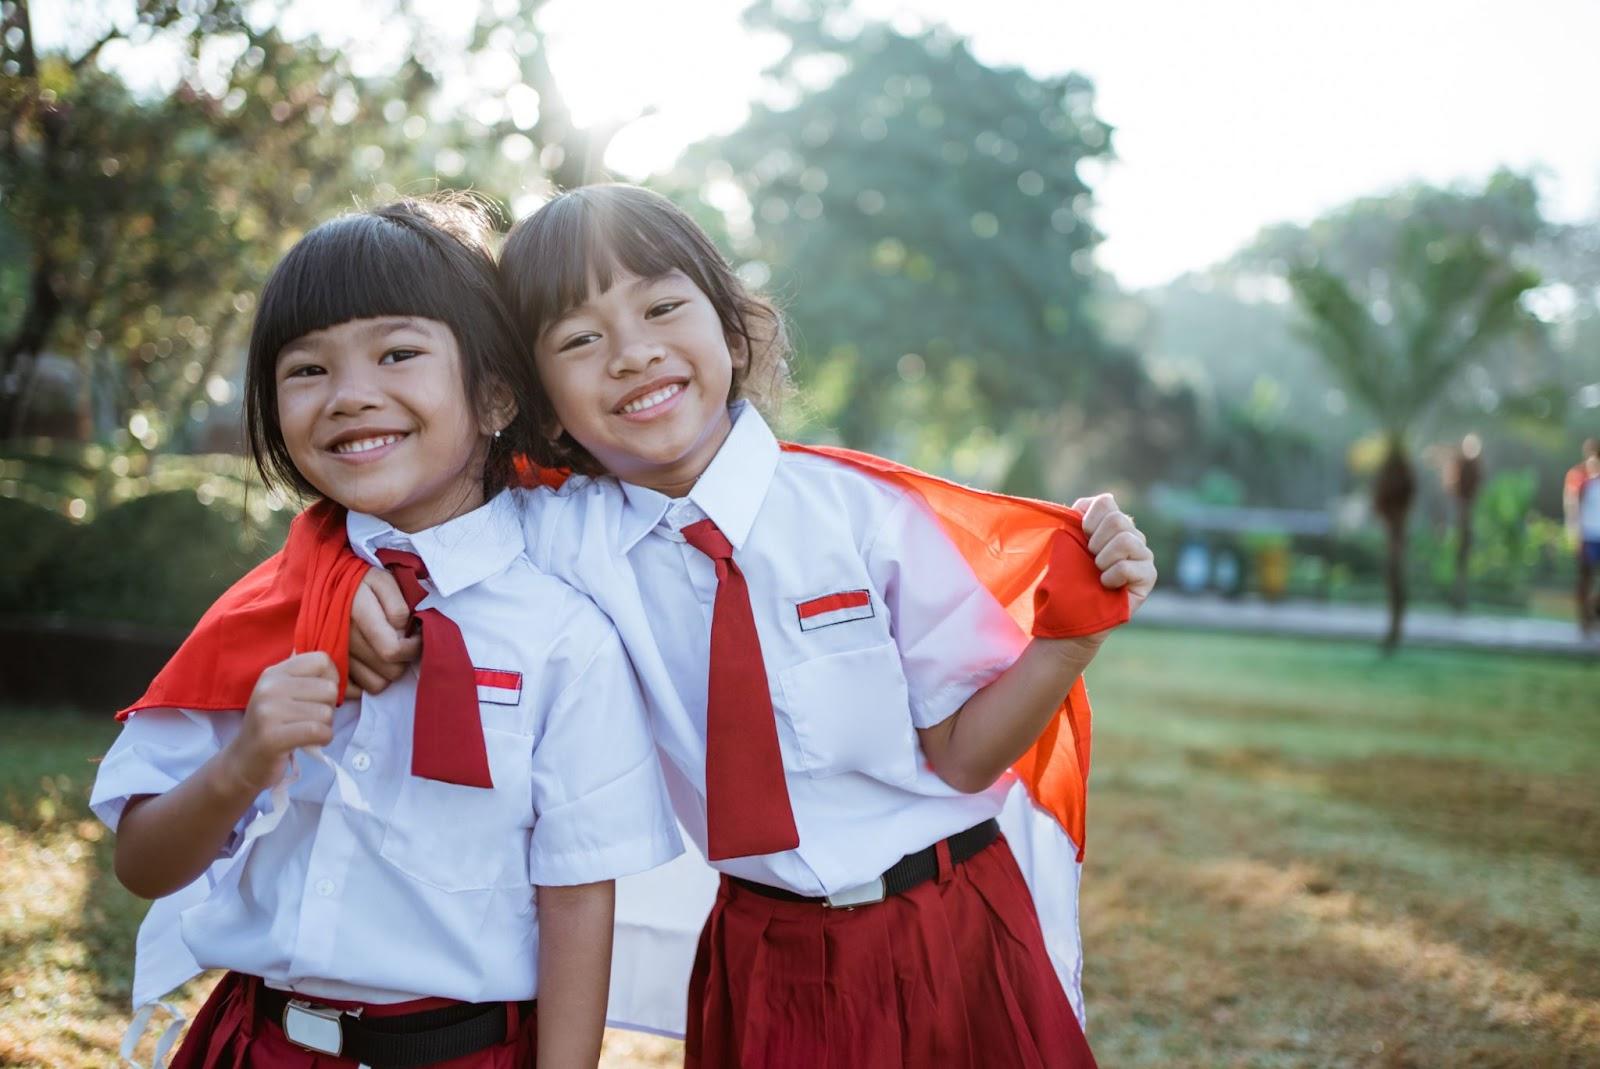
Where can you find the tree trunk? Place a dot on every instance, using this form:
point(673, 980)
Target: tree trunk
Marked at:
point(1463, 551)
point(1463, 477)
point(20, 352)
point(1392, 494)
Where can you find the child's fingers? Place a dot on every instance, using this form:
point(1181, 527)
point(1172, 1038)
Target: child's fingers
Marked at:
point(1096, 509)
point(1138, 576)
point(309, 731)
point(1127, 545)
point(1118, 575)
point(365, 679)
point(313, 665)
point(378, 644)
point(381, 588)
point(319, 690)
point(1113, 525)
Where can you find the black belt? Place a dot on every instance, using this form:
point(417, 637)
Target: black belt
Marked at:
point(902, 876)
point(402, 1041)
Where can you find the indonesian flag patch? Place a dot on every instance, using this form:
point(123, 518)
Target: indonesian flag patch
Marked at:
point(498, 688)
point(832, 609)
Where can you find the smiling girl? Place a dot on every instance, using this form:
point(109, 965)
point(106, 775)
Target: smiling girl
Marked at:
point(836, 696)
point(442, 854)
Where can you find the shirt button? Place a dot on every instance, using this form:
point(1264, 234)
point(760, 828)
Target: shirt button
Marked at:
point(324, 888)
point(361, 761)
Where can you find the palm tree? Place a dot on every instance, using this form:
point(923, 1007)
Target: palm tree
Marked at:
point(1396, 342)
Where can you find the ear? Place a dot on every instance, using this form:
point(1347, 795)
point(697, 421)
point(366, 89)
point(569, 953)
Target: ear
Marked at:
point(739, 349)
point(499, 413)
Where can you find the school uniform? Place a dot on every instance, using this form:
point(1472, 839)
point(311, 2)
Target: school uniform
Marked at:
point(360, 884)
point(871, 625)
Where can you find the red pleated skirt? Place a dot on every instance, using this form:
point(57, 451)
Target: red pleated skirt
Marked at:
point(952, 974)
point(228, 1034)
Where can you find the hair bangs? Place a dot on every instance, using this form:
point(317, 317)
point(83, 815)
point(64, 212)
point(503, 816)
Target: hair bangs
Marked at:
point(424, 258)
point(587, 237)
point(357, 267)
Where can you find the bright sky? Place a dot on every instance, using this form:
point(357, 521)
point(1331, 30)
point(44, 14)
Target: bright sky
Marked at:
point(1230, 114)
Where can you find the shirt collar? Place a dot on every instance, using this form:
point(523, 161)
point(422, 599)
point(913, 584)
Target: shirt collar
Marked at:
point(457, 553)
point(729, 492)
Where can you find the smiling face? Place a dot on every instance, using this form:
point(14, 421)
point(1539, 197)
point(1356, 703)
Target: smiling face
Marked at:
point(374, 415)
point(640, 375)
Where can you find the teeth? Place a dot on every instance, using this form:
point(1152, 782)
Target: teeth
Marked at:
point(362, 445)
point(650, 400)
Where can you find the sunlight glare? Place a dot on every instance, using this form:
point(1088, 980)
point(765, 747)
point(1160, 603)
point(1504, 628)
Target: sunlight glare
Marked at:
point(671, 77)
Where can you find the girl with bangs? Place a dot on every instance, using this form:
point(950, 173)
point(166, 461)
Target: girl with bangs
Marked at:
point(837, 698)
point(430, 881)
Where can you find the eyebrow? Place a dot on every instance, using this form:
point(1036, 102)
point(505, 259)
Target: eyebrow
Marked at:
point(639, 283)
point(380, 328)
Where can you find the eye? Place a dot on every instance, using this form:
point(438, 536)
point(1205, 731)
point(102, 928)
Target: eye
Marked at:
point(661, 308)
point(577, 341)
point(302, 371)
point(396, 356)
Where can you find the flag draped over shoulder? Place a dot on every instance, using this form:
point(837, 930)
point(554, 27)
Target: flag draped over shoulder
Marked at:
point(1031, 555)
point(295, 601)
point(1034, 558)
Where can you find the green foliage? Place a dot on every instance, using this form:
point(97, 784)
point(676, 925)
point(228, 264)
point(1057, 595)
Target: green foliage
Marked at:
point(1513, 548)
point(1397, 340)
point(160, 559)
point(32, 536)
point(924, 217)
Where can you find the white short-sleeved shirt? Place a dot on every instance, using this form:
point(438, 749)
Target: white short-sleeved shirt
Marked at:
point(871, 623)
point(431, 892)
point(1589, 509)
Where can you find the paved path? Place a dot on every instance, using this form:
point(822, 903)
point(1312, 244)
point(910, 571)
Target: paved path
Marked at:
point(1426, 627)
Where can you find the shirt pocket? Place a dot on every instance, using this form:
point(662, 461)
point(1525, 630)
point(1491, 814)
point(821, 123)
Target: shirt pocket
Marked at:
point(849, 712)
point(457, 838)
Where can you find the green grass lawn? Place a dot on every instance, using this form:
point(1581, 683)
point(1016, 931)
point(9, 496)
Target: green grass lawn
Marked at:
point(1300, 854)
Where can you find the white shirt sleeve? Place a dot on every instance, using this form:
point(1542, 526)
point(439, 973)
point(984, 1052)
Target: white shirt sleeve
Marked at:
point(601, 806)
point(157, 750)
point(954, 637)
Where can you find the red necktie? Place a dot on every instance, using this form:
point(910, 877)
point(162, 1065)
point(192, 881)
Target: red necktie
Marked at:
point(447, 732)
point(747, 799)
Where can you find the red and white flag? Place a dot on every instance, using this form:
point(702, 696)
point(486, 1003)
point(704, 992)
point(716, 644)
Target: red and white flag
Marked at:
point(834, 609)
point(498, 688)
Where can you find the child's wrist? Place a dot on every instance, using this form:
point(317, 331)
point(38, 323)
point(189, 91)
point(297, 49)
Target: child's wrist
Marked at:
point(1071, 653)
point(234, 779)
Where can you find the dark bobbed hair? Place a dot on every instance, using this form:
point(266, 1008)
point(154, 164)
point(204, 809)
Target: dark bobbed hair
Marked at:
point(428, 258)
point(584, 238)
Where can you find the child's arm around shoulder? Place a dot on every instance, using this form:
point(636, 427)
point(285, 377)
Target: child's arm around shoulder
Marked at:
point(972, 747)
point(167, 840)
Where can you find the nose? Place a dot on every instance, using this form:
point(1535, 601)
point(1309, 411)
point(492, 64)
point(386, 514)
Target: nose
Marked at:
point(635, 351)
point(355, 390)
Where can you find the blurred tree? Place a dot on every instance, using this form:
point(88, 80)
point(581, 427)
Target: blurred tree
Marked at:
point(928, 214)
point(139, 223)
point(1398, 334)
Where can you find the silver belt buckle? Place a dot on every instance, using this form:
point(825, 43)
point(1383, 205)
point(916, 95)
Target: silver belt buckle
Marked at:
point(313, 1027)
point(864, 894)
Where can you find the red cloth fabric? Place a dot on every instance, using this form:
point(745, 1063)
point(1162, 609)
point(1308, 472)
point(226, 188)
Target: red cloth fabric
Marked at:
point(295, 601)
point(953, 973)
point(227, 1034)
point(1032, 555)
point(747, 798)
point(1034, 558)
point(447, 736)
